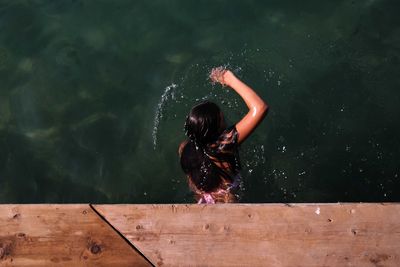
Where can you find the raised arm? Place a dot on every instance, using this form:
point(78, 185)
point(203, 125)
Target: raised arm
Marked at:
point(257, 107)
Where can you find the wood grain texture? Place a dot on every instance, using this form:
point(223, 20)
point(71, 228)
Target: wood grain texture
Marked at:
point(61, 235)
point(262, 234)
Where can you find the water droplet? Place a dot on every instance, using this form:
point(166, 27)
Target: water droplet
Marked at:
point(168, 94)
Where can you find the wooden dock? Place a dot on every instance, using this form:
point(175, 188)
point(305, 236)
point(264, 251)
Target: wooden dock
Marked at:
point(348, 234)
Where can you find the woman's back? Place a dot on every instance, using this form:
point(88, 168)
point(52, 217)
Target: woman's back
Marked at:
point(213, 167)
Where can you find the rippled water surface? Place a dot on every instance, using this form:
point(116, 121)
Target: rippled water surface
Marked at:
point(93, 96)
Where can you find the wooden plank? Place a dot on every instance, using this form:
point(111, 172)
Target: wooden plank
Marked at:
point(262, 234)
point(61, 235)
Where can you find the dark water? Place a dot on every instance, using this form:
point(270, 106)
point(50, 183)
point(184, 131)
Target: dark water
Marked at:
point(93, 95)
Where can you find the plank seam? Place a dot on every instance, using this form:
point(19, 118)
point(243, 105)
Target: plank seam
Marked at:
point(121, 235)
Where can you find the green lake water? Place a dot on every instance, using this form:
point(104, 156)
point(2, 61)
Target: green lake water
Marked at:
point(94, 94)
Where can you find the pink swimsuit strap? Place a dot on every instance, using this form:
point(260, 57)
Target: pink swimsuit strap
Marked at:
point(206, 198)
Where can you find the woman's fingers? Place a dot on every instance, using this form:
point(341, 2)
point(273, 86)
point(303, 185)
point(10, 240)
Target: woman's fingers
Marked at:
point(217, 75)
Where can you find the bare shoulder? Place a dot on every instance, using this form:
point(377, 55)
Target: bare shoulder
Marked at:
point(181, 146)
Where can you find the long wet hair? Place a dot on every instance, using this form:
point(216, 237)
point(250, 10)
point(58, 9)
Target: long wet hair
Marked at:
point(203, 126)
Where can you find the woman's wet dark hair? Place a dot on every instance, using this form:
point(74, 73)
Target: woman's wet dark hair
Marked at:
point(202, 171)
point(203, 125)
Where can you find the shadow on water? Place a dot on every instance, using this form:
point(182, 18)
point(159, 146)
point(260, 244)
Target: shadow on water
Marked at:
point(23, 171)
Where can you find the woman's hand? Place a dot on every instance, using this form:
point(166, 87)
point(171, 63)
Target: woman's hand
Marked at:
point(221, 75)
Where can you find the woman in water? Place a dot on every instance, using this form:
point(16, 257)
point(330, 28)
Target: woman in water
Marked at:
point(210, 156)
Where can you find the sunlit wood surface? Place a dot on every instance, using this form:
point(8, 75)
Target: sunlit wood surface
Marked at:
point(200, 235)
point(61, 235)
point(261, 234)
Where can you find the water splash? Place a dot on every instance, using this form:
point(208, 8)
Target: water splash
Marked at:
point(169, 94)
